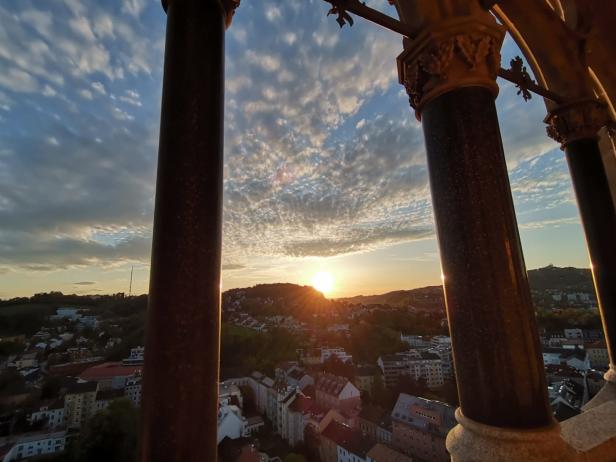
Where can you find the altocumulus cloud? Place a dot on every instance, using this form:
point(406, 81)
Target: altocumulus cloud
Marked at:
point(323, 155)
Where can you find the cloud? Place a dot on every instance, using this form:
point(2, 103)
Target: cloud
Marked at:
point(17, 80)
point(133, 7)
point(322, 153)
point(84, 283)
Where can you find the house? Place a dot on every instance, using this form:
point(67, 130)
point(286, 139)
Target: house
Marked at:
point(304, 412)
point(382, 453)
point(230, 392)
point(574, 357)
point(51, 411)
point(135, 357)
point(340, 443)
point(72, 314)
point(384, 431)
point(420, 427)
point(369, 419)
point(231, 423)
point(26, 361)
point(337, 352)
point(337, 392)
point(33, 444)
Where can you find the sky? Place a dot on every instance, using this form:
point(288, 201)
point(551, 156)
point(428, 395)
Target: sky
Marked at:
point(325, 166)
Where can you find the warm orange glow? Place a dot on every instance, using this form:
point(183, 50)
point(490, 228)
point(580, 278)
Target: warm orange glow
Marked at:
point(323, 281)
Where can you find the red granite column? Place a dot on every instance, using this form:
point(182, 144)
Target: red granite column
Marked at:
point(575, 126)
point(449, 72)
point(180, 402)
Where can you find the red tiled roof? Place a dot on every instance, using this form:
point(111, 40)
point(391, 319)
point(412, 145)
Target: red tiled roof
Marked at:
point(109, 370)
point(344, 436)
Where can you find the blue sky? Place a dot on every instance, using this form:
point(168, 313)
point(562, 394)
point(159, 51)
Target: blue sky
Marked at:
point(325, 165)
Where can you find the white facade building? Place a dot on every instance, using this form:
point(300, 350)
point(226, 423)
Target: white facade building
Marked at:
point(34, 445)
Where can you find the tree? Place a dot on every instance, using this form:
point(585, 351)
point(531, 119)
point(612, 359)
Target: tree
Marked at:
point(110, 435)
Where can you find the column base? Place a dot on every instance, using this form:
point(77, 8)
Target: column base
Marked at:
point(607, 393)
point(471, 441)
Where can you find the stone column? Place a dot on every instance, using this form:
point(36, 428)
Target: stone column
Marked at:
point(449, 72)
point(576, 125)
point(180, 390)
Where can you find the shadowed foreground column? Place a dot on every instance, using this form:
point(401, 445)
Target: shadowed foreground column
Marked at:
point(180, 401)
point(449, 72)
point(575, 126)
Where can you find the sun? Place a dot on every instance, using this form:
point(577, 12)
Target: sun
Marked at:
point(323, 281)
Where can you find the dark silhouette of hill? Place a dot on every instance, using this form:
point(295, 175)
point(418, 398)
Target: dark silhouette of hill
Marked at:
point(549, 277)
point(553, 277)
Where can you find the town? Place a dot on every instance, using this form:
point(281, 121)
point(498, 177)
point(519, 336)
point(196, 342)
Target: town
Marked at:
point(302, 377)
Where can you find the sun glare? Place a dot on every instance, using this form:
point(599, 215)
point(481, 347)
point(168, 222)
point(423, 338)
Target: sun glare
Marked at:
point(323, 281)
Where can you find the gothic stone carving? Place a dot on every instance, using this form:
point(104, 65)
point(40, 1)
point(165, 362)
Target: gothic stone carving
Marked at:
point(459, 53)
point(576, 120)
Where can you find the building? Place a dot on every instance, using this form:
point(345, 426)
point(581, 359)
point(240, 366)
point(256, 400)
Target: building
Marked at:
point(334, 392)
point(598, 355)
point(231, 393)
point(382, 453)
point(30, 445)
point(364, 377)
point(72, 314)
point(135, 357)
point(79, 402)
point(132, 390)
point(420, 427)
point(111, 374)
point(574, 357)
point(440, 341)
point(340, 443)
point(105, 396)
point(26, 361)
point(231, 423)
point(415, 364)
point(369, 420)
point(426, 365)
point(415, 341)
point(337, 352)
point(446, 356)
point(393, 366)
point(52, 412)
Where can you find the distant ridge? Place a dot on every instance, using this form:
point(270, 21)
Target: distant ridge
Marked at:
point(549, 277)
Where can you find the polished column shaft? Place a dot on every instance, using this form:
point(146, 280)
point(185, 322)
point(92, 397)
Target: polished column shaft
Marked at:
point(180, 402)
point(494, 333)
point(599, 220)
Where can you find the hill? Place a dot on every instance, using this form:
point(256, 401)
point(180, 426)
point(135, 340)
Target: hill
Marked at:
point(547, 278)
point(400, 298)
point(273, 299)
point(555, 278)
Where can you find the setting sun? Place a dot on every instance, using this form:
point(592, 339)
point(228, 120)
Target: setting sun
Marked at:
point(323, 281)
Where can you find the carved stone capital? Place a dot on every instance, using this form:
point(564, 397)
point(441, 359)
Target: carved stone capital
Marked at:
point(471, 441)
point(460, 52)
point(576, 120)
